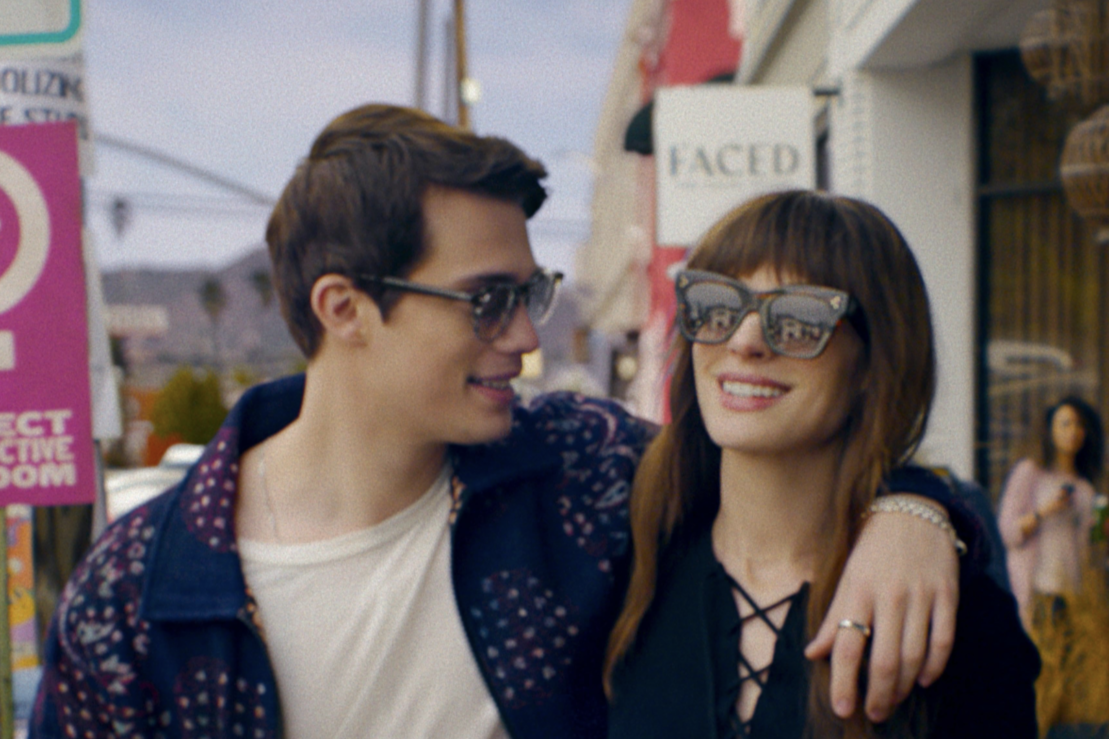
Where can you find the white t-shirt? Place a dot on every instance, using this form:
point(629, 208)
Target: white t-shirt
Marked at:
point(364, 633)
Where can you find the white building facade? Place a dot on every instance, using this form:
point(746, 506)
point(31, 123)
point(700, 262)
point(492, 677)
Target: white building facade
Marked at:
point(896, 117)
point(924, 108)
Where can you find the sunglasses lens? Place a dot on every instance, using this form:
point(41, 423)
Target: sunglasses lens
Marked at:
point(798, 325)
point(495, 305)
point(710, 311)
point(540, 296)
point(493, 310)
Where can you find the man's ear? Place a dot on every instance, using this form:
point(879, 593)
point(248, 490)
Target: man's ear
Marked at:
point(344, 311)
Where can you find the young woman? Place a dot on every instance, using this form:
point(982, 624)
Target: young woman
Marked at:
point(1047, 512)
point(802, 375)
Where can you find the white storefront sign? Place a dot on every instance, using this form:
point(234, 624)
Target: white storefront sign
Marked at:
point(717, 146)
point(40, 28)
point(47, 91)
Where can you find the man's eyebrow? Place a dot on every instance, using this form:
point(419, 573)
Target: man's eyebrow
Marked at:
point(494, 278)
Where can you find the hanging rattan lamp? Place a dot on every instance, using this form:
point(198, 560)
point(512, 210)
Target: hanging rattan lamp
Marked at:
point(1066, 49)
point(1084, 169)
point(1045, 51)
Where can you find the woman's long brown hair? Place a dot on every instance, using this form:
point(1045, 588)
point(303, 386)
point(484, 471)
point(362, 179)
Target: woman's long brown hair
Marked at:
point(824, 240)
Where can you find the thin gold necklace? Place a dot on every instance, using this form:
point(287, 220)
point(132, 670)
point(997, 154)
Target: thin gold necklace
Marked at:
point(266, 494)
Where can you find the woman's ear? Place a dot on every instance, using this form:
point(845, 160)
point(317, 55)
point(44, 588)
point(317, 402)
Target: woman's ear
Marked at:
point(343, 310)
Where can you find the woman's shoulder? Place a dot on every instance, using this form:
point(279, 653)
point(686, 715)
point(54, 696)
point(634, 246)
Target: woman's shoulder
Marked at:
point(664, 685)
point(1022, 478)
point(988, 687)
point(1026, 467)
point(986, 606)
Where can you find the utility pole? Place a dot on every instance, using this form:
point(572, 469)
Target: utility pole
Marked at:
point(7, 700)
point(460, 64)
point(421, 56)
point(450, 84)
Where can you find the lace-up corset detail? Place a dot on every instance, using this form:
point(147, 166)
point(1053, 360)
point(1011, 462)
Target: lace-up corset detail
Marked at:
point(752, 678)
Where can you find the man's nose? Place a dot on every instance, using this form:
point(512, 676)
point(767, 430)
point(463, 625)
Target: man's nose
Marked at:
point(520, 334)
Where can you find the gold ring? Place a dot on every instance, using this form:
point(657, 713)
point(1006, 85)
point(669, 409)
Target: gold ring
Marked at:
point(859, 627)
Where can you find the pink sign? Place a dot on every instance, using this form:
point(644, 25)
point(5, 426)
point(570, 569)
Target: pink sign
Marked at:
point(46, 450)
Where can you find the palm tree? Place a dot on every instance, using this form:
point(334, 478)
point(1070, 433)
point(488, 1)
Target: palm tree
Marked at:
point(213, 299)
point(262, 283)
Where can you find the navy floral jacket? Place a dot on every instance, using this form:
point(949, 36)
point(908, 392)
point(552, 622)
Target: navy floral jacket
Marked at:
point(156, 634)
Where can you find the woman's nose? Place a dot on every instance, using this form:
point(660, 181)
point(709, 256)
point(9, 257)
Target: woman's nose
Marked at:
point(748, 339)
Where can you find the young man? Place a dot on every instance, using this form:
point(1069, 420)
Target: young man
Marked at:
point(390, 545)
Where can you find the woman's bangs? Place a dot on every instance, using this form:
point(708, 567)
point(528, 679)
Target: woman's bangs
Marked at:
point(798, 240)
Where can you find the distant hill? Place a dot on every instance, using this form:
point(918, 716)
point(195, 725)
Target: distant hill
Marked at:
point(249, 334)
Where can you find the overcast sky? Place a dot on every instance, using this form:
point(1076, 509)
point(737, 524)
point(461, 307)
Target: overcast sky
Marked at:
point(241, 89)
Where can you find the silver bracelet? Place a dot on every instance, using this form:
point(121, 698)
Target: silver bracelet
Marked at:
point(931, 514)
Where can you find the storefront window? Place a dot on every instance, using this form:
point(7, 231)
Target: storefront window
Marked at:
point(1043, 305)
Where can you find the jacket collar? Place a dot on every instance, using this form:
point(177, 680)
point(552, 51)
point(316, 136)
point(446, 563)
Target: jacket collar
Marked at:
point(195, 571)
point(522, 453)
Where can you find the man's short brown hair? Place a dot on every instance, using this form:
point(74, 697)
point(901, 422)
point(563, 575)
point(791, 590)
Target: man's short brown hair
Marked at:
point(354, 206)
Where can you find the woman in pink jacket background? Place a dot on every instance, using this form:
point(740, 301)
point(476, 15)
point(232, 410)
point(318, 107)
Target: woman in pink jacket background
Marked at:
point(1046, 520)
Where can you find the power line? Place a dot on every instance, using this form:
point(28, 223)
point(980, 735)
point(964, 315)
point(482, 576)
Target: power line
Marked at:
point(181, 165)
point(185, 204)
point(205, 205)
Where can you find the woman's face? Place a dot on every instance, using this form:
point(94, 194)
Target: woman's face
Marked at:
point(758, 402)
point(1067, 433)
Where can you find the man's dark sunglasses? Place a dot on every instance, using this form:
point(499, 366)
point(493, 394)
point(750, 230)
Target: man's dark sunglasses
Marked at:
point(797, 320)
point(493, 306)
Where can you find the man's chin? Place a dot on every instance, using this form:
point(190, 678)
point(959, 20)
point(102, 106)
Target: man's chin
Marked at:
point(493, 428)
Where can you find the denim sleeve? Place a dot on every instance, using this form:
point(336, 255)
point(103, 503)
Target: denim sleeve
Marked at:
point(69, 696)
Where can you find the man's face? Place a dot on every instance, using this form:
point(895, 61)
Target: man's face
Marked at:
point(434, 380)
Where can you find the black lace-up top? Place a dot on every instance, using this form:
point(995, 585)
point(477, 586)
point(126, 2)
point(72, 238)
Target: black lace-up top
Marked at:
point(696, 609)
point(780, 681)
point(682, 678)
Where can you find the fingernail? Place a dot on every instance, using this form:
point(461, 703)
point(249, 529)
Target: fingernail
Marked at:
point(843, 708)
